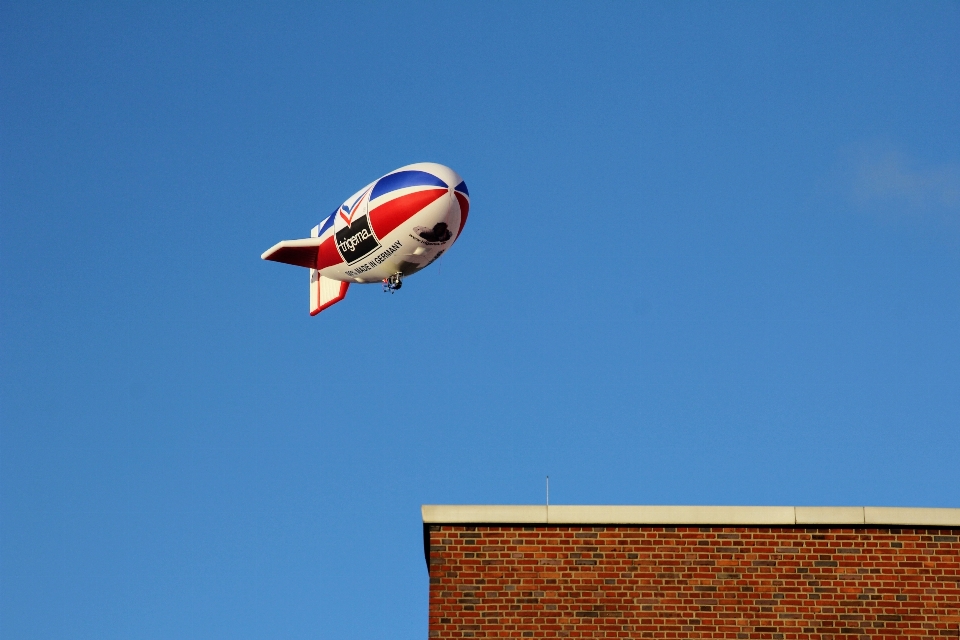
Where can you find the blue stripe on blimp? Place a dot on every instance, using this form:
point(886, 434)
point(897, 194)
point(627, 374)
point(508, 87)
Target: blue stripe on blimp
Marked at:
point(403, 179)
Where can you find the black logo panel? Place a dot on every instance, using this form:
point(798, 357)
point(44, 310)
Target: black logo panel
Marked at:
point(356, 241)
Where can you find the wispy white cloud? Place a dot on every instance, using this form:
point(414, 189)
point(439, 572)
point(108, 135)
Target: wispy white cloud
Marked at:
point(892, 181)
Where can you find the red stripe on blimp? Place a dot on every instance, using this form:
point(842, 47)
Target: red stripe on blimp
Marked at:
point(328, 254)
point(464, 210)
point(391, 215)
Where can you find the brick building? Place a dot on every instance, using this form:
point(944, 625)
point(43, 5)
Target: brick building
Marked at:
point(692, 572)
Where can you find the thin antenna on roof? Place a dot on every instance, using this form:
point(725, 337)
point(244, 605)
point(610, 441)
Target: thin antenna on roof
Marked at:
point(548, 492)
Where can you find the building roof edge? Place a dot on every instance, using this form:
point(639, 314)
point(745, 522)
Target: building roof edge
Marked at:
point(689, 515)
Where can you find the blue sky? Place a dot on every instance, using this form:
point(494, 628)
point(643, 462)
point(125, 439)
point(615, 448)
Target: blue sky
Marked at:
point(713, 257)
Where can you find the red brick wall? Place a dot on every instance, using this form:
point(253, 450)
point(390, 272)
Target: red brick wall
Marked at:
point(692, 582)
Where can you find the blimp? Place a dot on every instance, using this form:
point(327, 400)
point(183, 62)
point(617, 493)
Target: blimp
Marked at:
point(392, 228)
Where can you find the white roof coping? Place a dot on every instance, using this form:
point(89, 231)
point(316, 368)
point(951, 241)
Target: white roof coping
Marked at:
point(687, 515)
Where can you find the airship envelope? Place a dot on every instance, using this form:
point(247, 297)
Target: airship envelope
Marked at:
point(390, 229)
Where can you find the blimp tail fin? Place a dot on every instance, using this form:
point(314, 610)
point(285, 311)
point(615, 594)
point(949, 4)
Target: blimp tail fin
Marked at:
point(302, 253)
point(325, 291)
